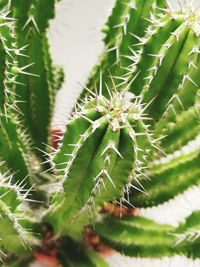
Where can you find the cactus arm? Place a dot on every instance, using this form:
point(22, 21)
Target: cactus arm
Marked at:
point(116, 23)
point(119, 49)
point(186, 96)
point(14, 233)
point(132, 41)
point(172, 82)
point(166, 87)
point(169, 178)
point(152, 46)
point(35, 97)
point(168, 66)
point(177, 134)
point(14, 141)
point(109, 58)
point(128, 236)
point(138, 237)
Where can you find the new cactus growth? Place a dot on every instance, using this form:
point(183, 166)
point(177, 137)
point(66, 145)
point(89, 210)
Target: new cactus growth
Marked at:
point(132, 140)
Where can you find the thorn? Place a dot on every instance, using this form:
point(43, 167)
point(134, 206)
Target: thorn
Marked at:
point(138, 189)
point(87, 89)
point(100, 84)
point(108, 176)
point(111, 145)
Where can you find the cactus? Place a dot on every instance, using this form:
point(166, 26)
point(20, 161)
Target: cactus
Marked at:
point(8, 64)
point(126, 145)
point(145, 238)
point(14, 231)
point(113, 134)
point(37, 84)
point(127, 23)
point(168, 67)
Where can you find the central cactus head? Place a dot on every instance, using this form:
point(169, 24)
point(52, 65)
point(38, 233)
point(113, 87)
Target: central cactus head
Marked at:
point(192, 18)
point(109, 138)
point(117, 110)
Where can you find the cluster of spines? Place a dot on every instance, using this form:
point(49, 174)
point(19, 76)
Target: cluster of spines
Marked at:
point(14, 231)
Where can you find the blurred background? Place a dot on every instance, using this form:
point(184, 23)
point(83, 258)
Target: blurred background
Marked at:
point(76, 41)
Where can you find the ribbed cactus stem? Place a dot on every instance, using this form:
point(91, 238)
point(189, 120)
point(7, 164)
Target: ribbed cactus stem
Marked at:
point(187, 236)
point(125, 29)
point(137, 237)
point(109, 138)
point(168, 65)
point(14, 233)
point(183, 162)
point(36, 96)
point(8, 55)
point(176, 134)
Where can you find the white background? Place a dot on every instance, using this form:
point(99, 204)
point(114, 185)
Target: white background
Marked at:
point(76, 44)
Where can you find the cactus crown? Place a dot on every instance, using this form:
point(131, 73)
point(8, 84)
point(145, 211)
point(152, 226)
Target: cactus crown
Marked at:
point(191, 17)
point(126, 144)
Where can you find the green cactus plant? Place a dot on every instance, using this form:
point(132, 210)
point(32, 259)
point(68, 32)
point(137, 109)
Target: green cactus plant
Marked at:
point(126, 144)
